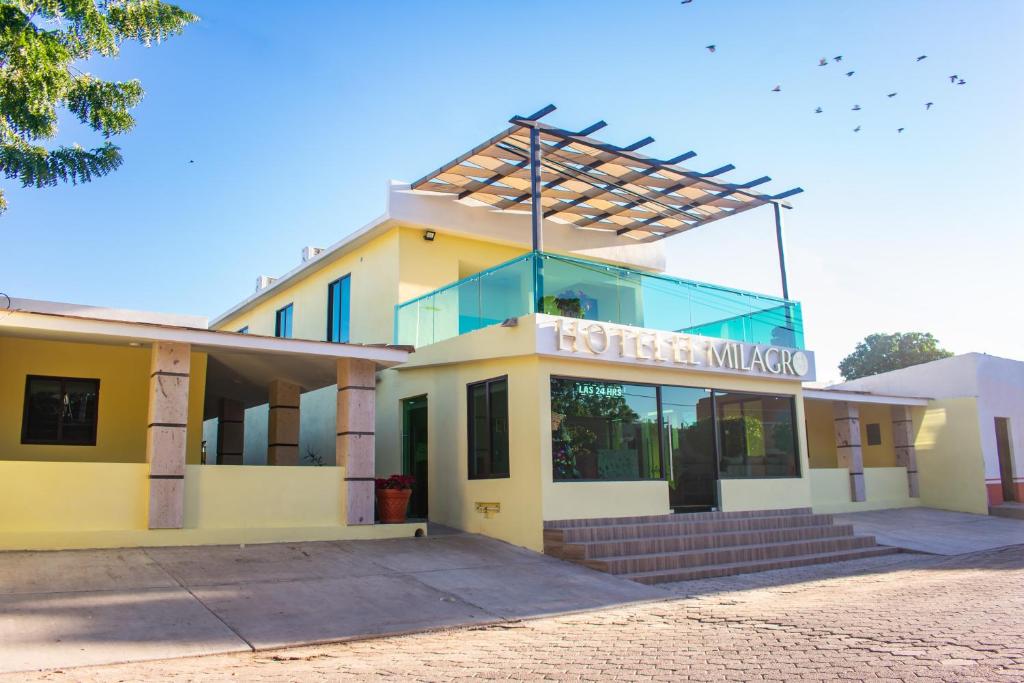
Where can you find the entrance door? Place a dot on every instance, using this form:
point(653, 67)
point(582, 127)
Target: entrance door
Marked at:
point(690, 448)
point(1005, 458)
point(414, 452)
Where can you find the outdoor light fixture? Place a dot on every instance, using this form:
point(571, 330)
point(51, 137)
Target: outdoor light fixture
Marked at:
point(510, 322)
point(135, 344)
point(429, 235)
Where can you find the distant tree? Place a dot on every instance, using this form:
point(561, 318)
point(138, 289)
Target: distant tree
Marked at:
point(885, 352)
point(40, 42)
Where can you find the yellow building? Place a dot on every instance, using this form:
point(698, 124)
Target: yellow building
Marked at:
point(558, 376)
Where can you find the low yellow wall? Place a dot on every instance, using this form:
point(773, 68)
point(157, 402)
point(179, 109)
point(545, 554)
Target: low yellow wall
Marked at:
point(821, 434)
point(51, 505)
point(765, 494)
point(885, 488)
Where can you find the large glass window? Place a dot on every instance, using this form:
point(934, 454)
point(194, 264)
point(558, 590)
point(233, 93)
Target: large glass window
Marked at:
point(688, 423)
point(604, 431)
point(338, 297)
point(488, 429)
point(60, 410)
point(283, 322)
point(756, 435)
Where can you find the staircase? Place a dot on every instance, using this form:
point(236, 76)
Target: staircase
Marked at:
point(663, 548)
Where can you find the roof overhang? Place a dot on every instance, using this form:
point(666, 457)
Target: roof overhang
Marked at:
point(594, 185)
point(862, 397)
point(239, 366)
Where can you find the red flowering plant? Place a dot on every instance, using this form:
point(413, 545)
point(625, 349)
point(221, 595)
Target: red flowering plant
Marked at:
point(396, 481)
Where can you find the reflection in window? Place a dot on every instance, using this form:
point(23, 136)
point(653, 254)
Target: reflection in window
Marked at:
point(756, 435)
point(488, 429)
point(604, 431)
point(283, 322)
point(338, 298)
point(60, 410)
point(690, 440)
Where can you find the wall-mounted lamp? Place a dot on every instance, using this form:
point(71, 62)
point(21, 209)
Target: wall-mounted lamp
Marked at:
point(134, 344)
point(510, 322)
point(429, 235)
point(488, 509)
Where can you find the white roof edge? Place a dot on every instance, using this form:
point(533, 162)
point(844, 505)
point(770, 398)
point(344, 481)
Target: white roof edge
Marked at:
point(863, 397)
point(324, 257)
point(104, 313)
point(211, 339)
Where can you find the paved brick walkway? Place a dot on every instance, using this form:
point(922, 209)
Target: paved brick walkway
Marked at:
point(903, 617)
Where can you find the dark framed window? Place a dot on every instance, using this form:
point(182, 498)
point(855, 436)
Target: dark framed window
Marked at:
point(488, 429)
point(244, 330)
point(605, 431)
point(338, 300)
point(283, 322)
point(60, 410)
point(756, 435)
point(874, 431)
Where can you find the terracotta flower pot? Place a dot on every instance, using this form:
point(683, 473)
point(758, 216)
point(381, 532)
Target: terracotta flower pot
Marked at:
point(392, 505)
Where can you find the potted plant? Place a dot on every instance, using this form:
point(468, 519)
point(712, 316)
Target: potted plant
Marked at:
point(393, 498)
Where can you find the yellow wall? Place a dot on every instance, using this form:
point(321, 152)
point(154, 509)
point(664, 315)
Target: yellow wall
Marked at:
point(821, 434)
point(49, 505)
point(885, 488)
point(124, 380)
point(884, 454)
point(530, 496)
point(374, 290)
point(950, 466)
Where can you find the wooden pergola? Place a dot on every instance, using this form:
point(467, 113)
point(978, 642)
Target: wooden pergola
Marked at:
point(594, 185)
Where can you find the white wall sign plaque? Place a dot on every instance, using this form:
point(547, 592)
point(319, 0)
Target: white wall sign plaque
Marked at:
point(573, 338)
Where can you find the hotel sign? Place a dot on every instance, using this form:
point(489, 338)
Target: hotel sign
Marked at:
point(576, 338)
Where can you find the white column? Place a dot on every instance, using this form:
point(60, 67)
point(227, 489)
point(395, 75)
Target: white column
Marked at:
point(166, 432)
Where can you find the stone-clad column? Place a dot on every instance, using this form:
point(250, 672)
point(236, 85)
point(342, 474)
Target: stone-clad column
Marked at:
point(354, 447)
point(903, 442)
point(848, 447)
point(230, 432)
point(165, 434)
point(283, 424)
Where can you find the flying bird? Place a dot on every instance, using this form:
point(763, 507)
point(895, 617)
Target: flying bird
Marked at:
point(777, 88)
point(850, 73)
point(191, 161)
point(892, 94)
point(953, 78)
point(856, 107)
point(961, 82)
point(922, 57)
point(818, 110)
point(899, 130)
point(837, 58)
point(710, 48)
point(686, 2)
point(857, 129)
point(822, 62)
point(928, 105)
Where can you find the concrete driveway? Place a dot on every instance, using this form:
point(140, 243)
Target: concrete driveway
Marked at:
point(939, 532)
point(72, 608)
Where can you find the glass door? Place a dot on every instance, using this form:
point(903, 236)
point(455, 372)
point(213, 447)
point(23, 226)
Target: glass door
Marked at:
point(414, 452)
point(688, 428)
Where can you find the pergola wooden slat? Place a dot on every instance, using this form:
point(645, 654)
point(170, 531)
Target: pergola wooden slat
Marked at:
point(592, 184)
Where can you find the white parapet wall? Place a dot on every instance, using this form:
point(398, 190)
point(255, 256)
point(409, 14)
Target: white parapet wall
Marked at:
point(886, 487)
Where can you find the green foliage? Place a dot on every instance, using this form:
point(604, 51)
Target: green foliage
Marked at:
point(40, 40)
point(885, 352)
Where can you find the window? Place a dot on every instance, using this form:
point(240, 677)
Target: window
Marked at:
point(338, 297)
point(874, 431)
point(488, 429)
point(60, 410)
point(756, 435)
point(283, 322)
point(244, 330)
point(604, 431)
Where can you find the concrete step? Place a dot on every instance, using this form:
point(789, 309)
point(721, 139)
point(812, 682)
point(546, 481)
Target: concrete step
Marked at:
point(730, 569)
point(656, 519)
point(588, 550)
point(677, 525)
point(651, 562)
point(1009, 510)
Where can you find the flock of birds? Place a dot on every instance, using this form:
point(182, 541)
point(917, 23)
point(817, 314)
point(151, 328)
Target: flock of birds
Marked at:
point(954, 79)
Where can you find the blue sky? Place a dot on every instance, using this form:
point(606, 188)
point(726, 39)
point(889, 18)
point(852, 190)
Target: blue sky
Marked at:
point(296, 114)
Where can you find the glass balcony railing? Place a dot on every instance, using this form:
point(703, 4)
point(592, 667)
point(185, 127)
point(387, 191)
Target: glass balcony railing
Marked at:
point(575, 288)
